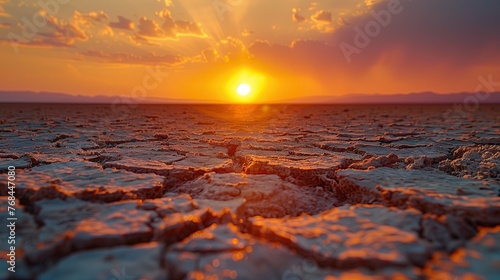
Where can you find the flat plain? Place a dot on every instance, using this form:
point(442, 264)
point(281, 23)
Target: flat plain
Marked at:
point(252, 191)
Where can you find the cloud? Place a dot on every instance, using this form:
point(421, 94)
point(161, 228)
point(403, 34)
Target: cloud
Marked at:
point(106, 31)
point(322, 17)
point(210, 55)
point(169, 29)
point(172, 26)
point(91, 18)
point(123, 23)
point(427, 36)
point(370, 3)
point(231, 49)
point(63, 32)
point(37, 43)
point(149, 28)
point(448, 33)
point(139, 40)
point(182, 27)
point(429, 45)
point(322, 21)
point(56, 33)
point(5, 25)
point(168, 3)
point(227, 50)
point(296, 17)
point(130, 58)
point(3, 13)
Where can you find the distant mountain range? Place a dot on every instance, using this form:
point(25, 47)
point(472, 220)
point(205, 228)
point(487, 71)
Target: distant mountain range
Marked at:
point(410, 98)
point(57, 97)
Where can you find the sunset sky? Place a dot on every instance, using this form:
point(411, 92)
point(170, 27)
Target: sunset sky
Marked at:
point(203, 49)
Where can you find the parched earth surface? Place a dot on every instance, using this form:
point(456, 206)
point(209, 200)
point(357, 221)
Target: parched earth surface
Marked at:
point(251, 192)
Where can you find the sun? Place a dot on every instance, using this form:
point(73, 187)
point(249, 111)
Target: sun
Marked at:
point(243, 89)
point(243, 84)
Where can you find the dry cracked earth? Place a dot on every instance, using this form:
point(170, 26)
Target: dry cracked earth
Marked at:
point(252, 192)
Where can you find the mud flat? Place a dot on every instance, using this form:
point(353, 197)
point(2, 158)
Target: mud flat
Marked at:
point(249, 192)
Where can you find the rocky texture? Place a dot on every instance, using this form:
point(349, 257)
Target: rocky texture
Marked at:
point(377, 161)
point(26, 161)
point(233, 205)
point(88, 181)
point(168, 205)
point(254, 191)
point(479, 259)
point(73, 225)
point(122, 262)
point(345, 237)
point(432, 182)
point(264, 195)
point(427, 191)
point(475, 161)
point(223, 252)
point(303, 170)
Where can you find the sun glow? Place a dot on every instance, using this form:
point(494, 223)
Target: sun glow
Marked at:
point(243, 89)
point(245, 85)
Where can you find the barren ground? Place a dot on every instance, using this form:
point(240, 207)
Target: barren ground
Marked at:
point(252, 192)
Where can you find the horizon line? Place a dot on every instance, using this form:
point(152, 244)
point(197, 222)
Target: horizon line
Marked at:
point(45, 97)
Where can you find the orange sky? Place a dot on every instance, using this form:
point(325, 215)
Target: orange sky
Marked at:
point(203, 49)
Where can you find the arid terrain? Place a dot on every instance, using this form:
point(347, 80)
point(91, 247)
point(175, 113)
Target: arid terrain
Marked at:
point(252, 192)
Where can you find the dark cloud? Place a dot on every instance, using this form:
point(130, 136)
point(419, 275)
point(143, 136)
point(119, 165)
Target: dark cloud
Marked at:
point(123, 23)
point(296, 17)
point(149, 28)
point(456, 33)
